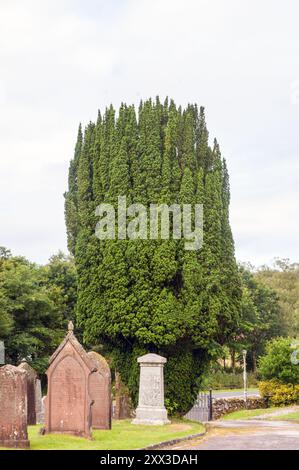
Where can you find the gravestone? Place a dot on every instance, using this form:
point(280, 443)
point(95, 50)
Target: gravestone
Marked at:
point(13, 403)
point(2, 353)
point(31, 383)
point(68, 403)
point(151, 409)
point(100, 392)
point(39, 411)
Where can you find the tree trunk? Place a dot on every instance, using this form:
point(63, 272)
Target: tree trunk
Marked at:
point(254, 361)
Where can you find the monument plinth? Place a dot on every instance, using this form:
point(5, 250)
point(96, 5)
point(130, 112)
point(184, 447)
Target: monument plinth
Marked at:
point(151, 409)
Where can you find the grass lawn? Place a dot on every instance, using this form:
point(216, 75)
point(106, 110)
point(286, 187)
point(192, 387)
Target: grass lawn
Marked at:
point(287, 417)
point(244, 414)
point(123, 436)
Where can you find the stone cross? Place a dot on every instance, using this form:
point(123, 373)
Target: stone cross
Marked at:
point(13, 403)
point(151, 409)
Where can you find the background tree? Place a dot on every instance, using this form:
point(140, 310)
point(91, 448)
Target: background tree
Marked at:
point(283, 277)
point(35, 302)
point(276, 364)
point(260, 319)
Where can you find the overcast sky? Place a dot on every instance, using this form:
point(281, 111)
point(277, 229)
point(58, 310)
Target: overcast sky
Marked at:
point(61, 60)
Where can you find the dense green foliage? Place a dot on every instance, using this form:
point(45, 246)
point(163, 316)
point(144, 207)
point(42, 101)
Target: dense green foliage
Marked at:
point(261, 319)
point(283, 277)
point(35, 302)
point(153, 295)
point(276, 364)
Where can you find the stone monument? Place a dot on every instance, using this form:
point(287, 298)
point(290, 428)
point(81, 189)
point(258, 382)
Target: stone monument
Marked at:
point(13, 412)
point(100, 392)
point(31, 384)
point(151, 409)
point(68, 403)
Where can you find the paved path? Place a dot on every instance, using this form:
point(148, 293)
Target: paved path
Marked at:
point(246, 435)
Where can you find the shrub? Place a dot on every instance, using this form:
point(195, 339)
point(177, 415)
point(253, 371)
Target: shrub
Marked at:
point(276, 364)
point(279, 394)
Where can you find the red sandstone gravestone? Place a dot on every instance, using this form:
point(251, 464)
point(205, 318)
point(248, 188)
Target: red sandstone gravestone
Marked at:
point(100, 392)
point(31, 384)
point(68, 403)
point(13, 408)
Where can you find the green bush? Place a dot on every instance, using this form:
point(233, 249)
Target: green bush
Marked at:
point(279, 394)
point(276, 364)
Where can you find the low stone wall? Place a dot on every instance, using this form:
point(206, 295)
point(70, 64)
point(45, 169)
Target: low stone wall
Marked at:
point(222, 406)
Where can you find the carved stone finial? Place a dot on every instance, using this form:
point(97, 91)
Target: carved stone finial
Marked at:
point(71, 327)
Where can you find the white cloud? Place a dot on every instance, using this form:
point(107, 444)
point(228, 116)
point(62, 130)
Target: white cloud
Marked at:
point(61, 60)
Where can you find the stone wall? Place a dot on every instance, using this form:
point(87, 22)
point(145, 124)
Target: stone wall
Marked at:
point(222, 406)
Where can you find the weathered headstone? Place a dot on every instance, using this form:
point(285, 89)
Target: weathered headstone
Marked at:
point(13, 408)
point(151, 409)
point(39, 411)
point(68, 402)
point(31, 383)
point(2, 353)
point(100, 392)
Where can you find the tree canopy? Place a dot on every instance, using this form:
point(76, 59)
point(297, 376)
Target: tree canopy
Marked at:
point(153, 295)
point(35, 303)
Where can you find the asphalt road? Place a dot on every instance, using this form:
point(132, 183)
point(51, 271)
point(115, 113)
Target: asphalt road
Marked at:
point(235, 394)
point(246, 435)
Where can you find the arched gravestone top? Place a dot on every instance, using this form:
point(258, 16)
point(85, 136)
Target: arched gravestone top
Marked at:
point(31, 384)
point(68, 402)
point(102, 364)
point(13, 415)
point(71, 338)
point(100, 392)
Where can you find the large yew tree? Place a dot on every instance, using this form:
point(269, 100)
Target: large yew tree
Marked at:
point(153, 295)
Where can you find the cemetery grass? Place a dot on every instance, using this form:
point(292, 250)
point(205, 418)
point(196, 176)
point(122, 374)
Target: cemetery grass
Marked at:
point(245, 414)
point(122, 436)
point(288, 417)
